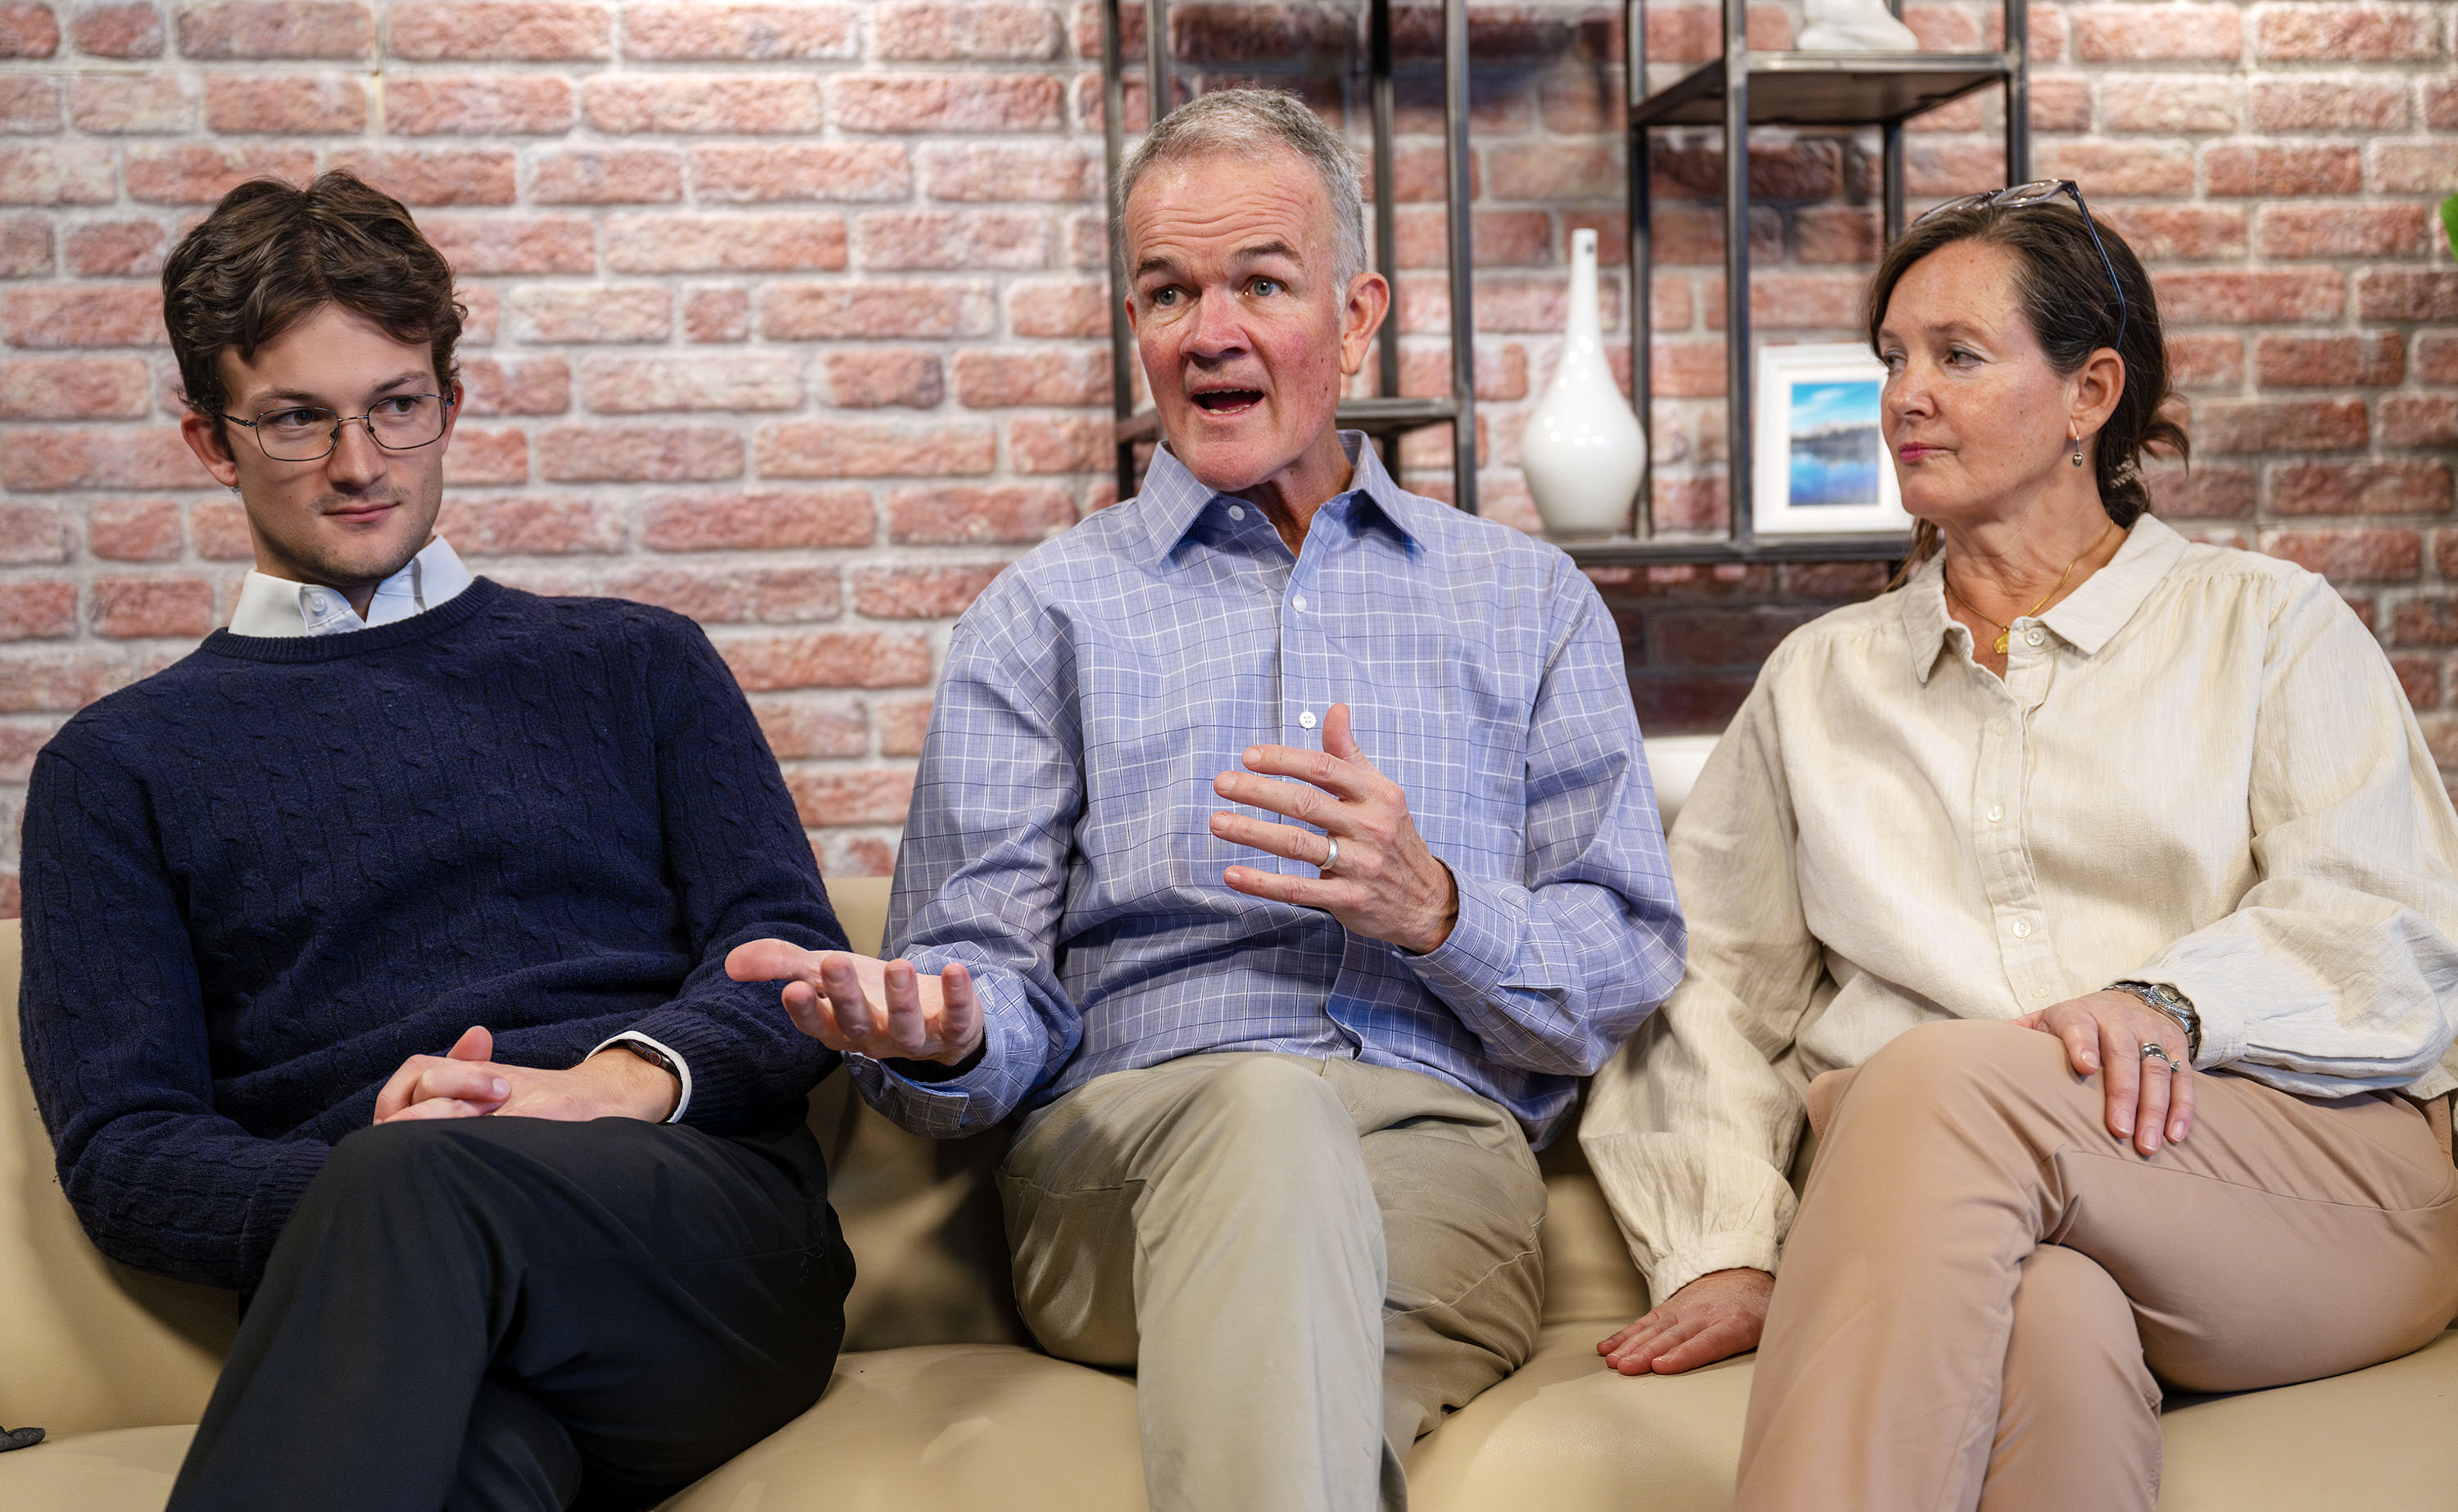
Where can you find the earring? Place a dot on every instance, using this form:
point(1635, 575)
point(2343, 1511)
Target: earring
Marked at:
point(2077, 456)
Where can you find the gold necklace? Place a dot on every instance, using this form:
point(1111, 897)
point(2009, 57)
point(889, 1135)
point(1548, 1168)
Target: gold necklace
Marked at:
point(2006, 632)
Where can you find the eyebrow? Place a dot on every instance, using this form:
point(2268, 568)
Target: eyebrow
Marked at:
point(1245, 254)
point(302, 396)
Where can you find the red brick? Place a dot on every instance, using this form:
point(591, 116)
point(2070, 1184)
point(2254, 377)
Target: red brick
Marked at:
point(2174, 103)
point(2350, 555)
point(73, 315)
point(2436, 357)
point(903, 724)
point(2279, 424)
point(2374, 359)
point(840, 855)
point(2205, 360)
point(1059, 444)
point(32, 532)
point(940, 591)
point(1535, 304)
point(873, 449)
point(29, 104)
point(73, 388)
point(2419, 677)
point(38, 607)
point(1500, 371)
point(1687, 369)
point(937, 31)
point(736, 381)
point(134, 530)
point(2260, 296)
point(753, 103)
point(2441, 104)
point(997, 170)
point(127, 607)
point(28, 32)
point(1570, 168)
point(2202, 492)
point(1059, 307)
point(801, 727)
point(530, 524)
point(1694, 34)
point(219, 527)
point(20, 741)
point(829, 658)
point(2417, 419)
point(200, 172)
point(2348, 33)
point(1500, 239)
point(2060, 102)
point(67, 679)
point(2414, 168)
point(515, 385)
point(2329, 104)
point(1086, 236)
point(636, 453)
point(616, 176)
point(868, 378)
point(724, 243)
point(995, 378)
point(1417, 176)
point(563, 312)
point(1800, 170)
point(890, 239)
point(447, 176)
point(478, 245)
point(1806, 300)
point(518, 31)
point(944, 102)
point(2116, 169)
point(2360, 487)
point(2268, 170)
point(24, 246)
point(2425, 622)
point(118, 30)
point(717, 314)
point(978, 515)
point(298, 103)
point(865, 795)
point(2342, 230)
point(2134, 34)
point(777, 595)
point(2407, 294)
point(277, 29)
point(73, 173)
point(802, 312)
point(479, 104)
point(755, 171)
point(702, 30)
point(486, 455)
point(758, 519)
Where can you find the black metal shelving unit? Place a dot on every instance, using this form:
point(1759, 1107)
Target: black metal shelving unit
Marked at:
point(1737, 90)
point(1387, 416)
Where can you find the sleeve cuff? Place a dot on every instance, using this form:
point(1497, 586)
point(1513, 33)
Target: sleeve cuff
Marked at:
point(1723, 1252)
point(2213, 997)
point(1473, 961)
point(683, 1067)
point(979, 1098)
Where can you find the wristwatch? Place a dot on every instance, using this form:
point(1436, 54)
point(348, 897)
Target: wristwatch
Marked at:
point(657, 1058)
point(2160, 998)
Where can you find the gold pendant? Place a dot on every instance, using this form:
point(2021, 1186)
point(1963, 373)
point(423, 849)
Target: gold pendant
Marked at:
point(2004, 641)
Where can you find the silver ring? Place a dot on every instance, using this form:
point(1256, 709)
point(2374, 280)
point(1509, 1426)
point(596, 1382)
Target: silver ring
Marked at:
point(2151, 1050)
point(1330, 857)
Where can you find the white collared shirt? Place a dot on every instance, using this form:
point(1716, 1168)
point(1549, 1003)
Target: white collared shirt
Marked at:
point(277, 606)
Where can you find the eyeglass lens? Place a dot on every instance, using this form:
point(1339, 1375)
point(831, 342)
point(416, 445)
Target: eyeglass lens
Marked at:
point(402, 423)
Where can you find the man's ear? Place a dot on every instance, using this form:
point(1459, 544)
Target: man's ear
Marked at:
point(205, 438)
point(452, 418)
point(1368, 303)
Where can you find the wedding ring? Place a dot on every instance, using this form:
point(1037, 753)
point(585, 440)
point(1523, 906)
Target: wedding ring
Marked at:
point(2151, 1051)
point(1331, 856)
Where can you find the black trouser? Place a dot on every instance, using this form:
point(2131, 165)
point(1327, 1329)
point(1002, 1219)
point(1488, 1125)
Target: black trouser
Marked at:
point(512, 1314)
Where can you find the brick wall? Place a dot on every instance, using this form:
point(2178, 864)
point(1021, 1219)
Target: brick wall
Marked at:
point(790, 315)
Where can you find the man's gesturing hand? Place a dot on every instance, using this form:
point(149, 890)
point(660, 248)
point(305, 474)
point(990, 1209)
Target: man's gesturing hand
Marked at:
point(1385, 885)
point(465, 1081)
point(1718, 1316)
point(856, 1006)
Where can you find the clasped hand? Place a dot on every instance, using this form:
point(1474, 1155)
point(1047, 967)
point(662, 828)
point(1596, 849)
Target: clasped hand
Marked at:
point(856, 1006)
point(1385, 885)
point(468, 1081)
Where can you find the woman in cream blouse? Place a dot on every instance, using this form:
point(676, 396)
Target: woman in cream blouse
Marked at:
point(2092, 893)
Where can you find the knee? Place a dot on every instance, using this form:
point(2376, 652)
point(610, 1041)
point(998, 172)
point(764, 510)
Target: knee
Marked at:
point(1963, 1076)
point(1266, 1114)
point(415, 1161)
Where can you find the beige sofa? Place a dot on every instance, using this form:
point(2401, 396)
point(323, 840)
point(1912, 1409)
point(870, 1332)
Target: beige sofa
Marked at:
point(939, 1403)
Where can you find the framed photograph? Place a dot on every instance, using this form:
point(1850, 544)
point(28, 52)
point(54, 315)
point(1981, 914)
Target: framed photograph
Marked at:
point(1821, 466)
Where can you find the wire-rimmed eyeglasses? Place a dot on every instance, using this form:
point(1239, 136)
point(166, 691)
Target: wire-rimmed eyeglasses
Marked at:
point(2040, 192)
point(305, 433)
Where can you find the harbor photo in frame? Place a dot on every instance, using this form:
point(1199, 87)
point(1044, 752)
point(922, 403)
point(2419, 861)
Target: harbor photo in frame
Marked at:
point(1821, 466)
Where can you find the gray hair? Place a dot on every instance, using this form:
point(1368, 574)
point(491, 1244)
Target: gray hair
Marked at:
point(1247, 121)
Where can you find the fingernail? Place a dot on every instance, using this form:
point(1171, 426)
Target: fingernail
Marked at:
point(501, 1087)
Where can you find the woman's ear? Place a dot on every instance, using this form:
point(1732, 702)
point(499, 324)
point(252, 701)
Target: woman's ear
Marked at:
point(2096, 388)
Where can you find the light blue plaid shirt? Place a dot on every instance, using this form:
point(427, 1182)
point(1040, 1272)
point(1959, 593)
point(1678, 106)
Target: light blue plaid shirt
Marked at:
point(1060, 841)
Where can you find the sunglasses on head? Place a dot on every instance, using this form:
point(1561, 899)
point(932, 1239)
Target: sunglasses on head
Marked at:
point(2041, 192)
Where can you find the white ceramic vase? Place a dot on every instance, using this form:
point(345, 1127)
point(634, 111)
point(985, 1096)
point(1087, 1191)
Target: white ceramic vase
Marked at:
point(1584, 451)
point(1853, 26)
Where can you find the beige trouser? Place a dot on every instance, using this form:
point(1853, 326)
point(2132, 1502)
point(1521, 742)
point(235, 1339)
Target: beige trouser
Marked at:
point(1985, 1289)
point(1305, 1261)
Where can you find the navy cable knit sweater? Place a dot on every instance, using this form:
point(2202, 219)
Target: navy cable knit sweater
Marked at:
point(261, 880)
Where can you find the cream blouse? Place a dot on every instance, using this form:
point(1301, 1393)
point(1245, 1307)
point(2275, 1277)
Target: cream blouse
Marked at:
point(2199, 770)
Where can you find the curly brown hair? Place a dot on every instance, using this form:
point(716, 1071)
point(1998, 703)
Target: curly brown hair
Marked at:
point(272, 254)
point(2062, 287)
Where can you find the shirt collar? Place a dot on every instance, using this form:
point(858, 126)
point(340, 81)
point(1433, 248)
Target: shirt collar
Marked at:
point(1176, 500)
point(2086, 619)
point(277, 606)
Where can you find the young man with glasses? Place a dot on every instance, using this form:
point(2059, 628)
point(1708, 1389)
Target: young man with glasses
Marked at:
point(400, 850)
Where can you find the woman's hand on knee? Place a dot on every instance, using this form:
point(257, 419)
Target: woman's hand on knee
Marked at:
point(2147, 1102)
point(1714, 1317)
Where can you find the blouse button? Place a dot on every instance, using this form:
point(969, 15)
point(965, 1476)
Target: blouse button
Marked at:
point(1996, 812)
point(2022, 930)
point(2034, 636)
point(2039, 992)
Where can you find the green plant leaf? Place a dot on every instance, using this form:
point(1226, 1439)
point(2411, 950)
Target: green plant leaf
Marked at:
point(2449, 222)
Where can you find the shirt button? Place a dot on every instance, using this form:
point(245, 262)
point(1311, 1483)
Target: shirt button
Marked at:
point(1305, 720)
point(2034, 636)
point(1996, 812)
point(1300, 603)
point(2022, 930)
point(1237, 511)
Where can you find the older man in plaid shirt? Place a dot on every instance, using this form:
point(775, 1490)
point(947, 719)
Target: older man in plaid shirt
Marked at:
point(1283, 846)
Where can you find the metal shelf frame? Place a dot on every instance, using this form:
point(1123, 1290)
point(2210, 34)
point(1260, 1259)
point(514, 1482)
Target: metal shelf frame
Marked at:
point(1387, 416)
point(1739, 90)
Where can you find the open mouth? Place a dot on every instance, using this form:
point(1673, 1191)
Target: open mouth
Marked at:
point(1228, 400)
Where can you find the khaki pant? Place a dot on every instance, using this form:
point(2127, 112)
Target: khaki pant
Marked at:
point(1304, 1262)
point(1985, 1289)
